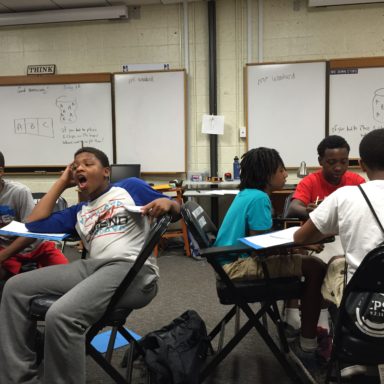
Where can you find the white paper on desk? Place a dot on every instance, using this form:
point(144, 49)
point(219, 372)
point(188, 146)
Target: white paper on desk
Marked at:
point(270, 239)
point(15, 228)
point(213, 124)
point(135, 208)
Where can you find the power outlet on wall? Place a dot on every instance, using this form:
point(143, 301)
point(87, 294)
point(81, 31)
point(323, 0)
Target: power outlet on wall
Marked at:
point(243, 133)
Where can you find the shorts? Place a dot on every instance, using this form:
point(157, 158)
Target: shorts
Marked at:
point(44, 255)
point(278, 266)
point(333, 284)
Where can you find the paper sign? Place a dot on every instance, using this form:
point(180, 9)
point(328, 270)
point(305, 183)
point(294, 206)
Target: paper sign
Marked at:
point(213, 124)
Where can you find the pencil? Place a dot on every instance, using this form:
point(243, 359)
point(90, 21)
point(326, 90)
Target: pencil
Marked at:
point(317, 200)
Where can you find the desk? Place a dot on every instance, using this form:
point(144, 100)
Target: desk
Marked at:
point(277, 197)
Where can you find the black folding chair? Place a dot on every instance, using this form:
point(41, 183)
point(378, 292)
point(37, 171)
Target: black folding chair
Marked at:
point(114, 316)
point(360, 341)
point(240, 294)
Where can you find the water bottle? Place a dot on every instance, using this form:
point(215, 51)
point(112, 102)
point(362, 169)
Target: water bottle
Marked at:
point(236, 168)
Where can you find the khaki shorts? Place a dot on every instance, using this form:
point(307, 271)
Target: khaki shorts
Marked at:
point(278, 266)
point(333, 284)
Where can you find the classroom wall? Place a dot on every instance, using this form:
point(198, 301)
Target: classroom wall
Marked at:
point(291, 32)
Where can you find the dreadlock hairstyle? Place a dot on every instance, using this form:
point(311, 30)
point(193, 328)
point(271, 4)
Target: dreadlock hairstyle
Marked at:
point(257, 166)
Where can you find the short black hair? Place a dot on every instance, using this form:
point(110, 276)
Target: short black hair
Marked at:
point(332, 142)
point(257, 166)
point(371, 149)
point(100, 155)
point(2, 161)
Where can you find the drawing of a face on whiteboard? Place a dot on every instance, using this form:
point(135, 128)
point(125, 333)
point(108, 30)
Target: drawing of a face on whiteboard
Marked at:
point(378, 105)
point(67, 106)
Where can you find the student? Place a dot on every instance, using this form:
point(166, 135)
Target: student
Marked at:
point(333, 154)
point(113, 237)
point(16, 203)
point(262, 172)
point(347, 214)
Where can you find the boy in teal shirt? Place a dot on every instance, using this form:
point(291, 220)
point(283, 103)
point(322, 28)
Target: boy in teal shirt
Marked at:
point(262, 172)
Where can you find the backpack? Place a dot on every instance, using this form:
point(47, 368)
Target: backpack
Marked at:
point(175, 353)
point(365, 314)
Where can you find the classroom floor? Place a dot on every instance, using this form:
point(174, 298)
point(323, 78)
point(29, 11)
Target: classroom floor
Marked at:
point(184, 284)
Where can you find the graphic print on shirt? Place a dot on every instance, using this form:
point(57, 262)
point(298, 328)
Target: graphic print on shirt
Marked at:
point(108, 219)
point(7, 214)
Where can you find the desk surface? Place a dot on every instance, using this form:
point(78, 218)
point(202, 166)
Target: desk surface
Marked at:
point(210, 193)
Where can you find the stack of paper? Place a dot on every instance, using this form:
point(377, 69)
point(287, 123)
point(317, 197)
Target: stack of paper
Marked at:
point(270, 239)
point(15, 228)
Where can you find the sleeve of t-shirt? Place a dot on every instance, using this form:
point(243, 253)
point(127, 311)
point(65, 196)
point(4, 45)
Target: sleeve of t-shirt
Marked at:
point(359, 179)
point(59, 222)
point(303, 191)
point(325, 216)
point(141, 192)
point(25, 204)
point(259, 215)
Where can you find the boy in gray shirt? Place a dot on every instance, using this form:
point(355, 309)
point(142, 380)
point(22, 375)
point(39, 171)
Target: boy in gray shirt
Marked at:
point(16, 203)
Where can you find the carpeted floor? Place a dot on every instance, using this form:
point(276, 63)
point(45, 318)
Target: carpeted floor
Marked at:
point(184, 284)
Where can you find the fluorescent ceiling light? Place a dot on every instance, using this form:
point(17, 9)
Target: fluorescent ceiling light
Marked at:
point(63, 15)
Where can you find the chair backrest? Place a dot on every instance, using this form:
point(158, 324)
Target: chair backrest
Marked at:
point(287, 202)
point(123, 171)
point(157, 229)
point(199, 224)
point(60, 204)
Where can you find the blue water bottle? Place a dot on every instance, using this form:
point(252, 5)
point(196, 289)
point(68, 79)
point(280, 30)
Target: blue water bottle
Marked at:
point(236, 168)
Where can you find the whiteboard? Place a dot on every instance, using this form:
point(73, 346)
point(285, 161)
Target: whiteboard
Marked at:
point(45, 124)
point(286, 109)
point(150, 118)
point(356, 103)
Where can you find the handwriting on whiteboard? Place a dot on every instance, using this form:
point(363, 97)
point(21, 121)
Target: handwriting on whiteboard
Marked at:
point(274, 78)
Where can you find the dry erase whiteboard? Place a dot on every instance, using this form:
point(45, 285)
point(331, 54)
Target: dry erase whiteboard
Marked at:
point(286, 109)
point(44, 124)
point(150, 118)
point(356, 103)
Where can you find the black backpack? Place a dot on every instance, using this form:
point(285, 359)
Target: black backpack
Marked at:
point(175, 353)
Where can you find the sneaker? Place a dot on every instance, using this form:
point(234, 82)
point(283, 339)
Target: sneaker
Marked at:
point(308, 363)
point(324, 341)
point(291, 333)
point(354, 370)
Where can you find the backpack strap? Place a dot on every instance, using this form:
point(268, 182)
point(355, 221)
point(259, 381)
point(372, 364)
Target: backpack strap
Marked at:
point(371, 208)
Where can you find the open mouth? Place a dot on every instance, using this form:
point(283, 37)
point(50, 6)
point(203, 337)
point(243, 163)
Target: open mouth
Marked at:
point(82, 181)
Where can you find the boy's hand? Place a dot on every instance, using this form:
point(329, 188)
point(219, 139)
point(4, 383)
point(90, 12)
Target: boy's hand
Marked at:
point(160, 206)
point(310, 207)
point(67, 176)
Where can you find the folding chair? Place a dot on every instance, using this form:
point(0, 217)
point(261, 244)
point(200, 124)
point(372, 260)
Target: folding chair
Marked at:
point(360, 341)
point(114, 316)
point(240, 294)
point(284, 221)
